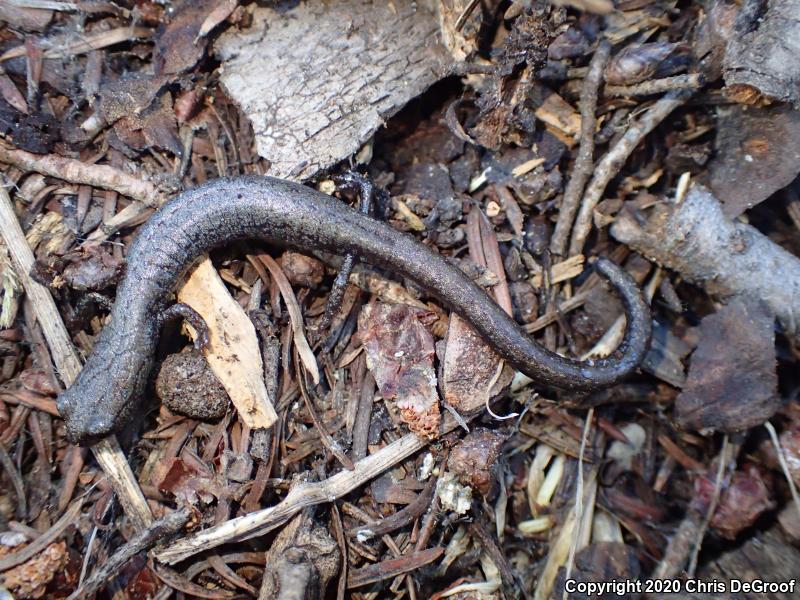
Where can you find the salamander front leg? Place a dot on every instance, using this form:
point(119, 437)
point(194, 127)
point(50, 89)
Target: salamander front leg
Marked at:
point(179, 310)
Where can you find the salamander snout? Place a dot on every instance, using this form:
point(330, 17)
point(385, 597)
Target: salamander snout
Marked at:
point(84, 426)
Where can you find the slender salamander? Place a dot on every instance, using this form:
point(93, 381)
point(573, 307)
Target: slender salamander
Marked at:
point(112, 381)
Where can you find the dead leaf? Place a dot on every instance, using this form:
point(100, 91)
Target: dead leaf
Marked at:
point(179, 46)
point(400, 356)
point(732, 381)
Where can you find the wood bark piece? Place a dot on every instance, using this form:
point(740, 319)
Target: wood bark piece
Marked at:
point(583, 163)
point(757, 154)
point(761, 60)
point(319, 79)
point(233, 354)
point(733, 382)
point(108, 452)
point(727, 259)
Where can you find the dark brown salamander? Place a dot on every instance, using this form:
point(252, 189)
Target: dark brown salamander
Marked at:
point(111, 383)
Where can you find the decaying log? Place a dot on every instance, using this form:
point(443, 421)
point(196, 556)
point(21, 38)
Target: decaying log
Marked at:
point(728, 259)
point(319, 79)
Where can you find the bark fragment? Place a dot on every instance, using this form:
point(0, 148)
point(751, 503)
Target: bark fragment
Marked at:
point(761, 59)
point(758, 153)
point(314, 103)
point(727, 259)
point(732, 383)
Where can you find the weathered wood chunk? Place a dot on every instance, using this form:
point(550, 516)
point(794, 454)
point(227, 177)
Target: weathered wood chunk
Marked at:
point(318, 79)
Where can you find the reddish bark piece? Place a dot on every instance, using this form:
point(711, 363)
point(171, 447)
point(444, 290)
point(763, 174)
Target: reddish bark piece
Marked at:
point(470, 367)
point(400, 356)
point(741, 501)
point(732, 381)
point(474, 458)
point(392, 567)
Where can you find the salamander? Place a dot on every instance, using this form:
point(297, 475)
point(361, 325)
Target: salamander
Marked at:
point(113, 379)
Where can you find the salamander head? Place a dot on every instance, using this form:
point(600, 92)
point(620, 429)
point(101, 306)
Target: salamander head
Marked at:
point(95, 407)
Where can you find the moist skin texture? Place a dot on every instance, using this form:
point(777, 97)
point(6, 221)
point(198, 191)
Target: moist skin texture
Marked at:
point(110, 386)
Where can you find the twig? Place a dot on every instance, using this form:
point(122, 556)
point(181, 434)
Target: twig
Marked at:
point(402, 517)
point(87, 43)
point(79, 172)
point(301, 496)
point(16, 482)
point(221, 567)
point(295, 315)
point(108, 453)
point(511, 586)
point(712, 508)
point(692, 81)
point(338, 531)
point(364, 415)
point(615, 159)
point(679, 546)
point(583, 163)
point(693, 238)
point(785, 467)
point(552, 316)
point(324, 436)
point(465, 14)
point(142, 541)
point(573, 548)
point(392, 567)
point(184, 584)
